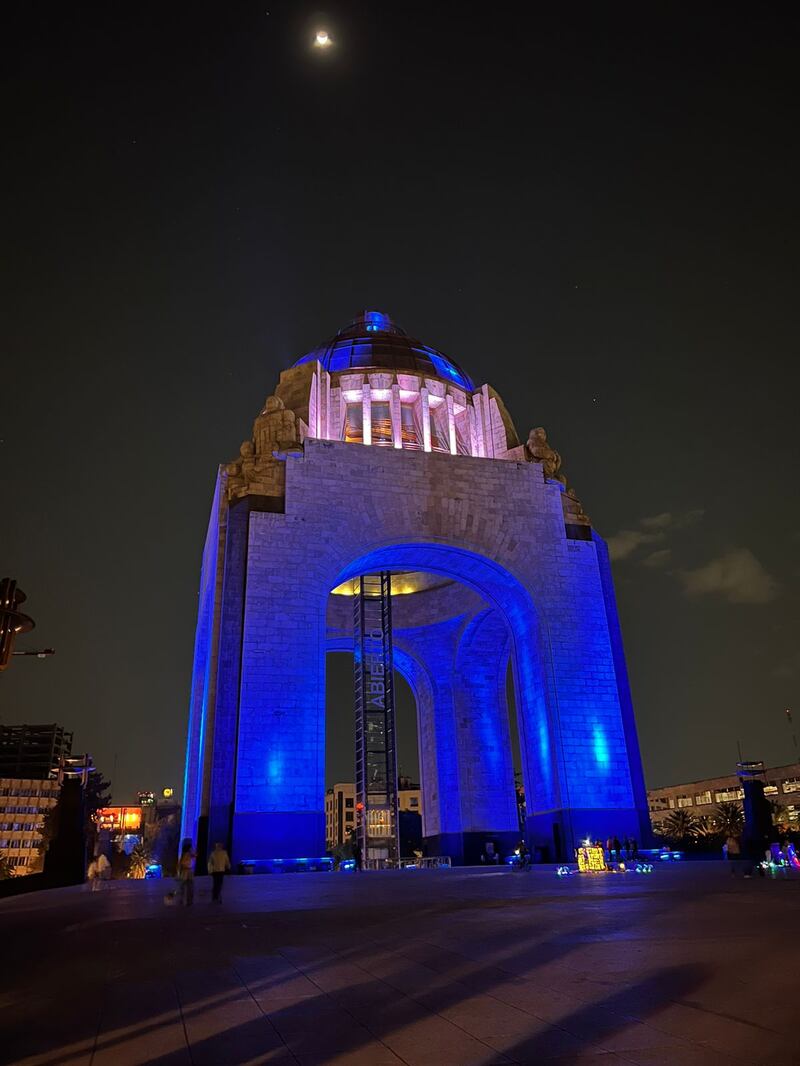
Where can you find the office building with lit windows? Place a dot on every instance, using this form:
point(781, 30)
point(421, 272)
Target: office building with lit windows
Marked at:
point(781, 786)
point(24, 803)
point(340, 814)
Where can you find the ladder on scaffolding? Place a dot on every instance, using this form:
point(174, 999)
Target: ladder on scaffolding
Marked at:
point(376, 737)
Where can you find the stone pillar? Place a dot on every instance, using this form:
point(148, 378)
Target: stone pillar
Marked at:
point(366, 413)
point(451, 425)
point(486, 769)
point(426, 419)
point(433, 647)
point(397, 425)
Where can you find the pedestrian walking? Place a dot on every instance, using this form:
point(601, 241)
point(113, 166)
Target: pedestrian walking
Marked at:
point(186, 873)
point(617, 848)
point(103, 868)
point(733, 851)
point(93, 876)
point(219, 864)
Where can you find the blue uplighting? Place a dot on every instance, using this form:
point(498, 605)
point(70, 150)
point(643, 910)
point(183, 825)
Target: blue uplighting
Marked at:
point(377, 321)
point(600, 747)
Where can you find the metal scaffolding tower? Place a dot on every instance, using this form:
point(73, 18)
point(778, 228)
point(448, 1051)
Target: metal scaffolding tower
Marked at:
point(376, 747)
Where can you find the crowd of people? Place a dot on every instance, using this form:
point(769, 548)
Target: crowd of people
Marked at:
point(626, 850)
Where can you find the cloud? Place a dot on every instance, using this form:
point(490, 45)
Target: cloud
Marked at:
point(659, 558)
point(625, 543)
point(651, 530)
point(737, 576)
point(657, 521)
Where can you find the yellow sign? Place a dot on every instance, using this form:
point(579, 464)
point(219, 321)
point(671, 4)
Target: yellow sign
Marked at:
point(591, 859)
point(167, 793)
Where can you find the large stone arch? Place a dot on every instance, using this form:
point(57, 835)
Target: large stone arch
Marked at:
point(497, 527)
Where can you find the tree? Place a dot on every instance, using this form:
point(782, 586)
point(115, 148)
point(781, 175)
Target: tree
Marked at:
point(96, 795)
point(6, 869)
point(48, 830)
point(729, 819)
point(679, 826)
point(140, 859)
point(705, 826)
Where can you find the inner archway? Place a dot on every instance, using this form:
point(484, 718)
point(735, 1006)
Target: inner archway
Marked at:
point(454, 645)
point(340, 790)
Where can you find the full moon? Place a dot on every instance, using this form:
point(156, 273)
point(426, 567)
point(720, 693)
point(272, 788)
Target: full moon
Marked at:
point(322, 39)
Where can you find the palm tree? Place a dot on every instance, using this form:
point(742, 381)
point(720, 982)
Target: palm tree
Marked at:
point(679, 826)
point(705, 826)
point(140, 859)
point(729, 819)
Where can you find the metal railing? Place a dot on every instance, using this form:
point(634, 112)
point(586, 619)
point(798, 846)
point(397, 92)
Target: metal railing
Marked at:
point(434, 862)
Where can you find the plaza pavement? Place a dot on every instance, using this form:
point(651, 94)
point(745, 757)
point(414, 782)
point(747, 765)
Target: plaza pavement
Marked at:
point(685, 966)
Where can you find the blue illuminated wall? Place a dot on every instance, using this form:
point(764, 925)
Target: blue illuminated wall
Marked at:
point(498, 528)
point(203, 674)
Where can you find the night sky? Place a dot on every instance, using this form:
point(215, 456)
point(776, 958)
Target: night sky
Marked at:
point(597, 215)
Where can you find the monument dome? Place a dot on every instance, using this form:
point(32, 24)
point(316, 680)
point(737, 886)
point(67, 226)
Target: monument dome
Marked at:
point(372, 341)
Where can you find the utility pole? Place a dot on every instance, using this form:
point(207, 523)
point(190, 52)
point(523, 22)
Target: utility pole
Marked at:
point(12, 622)
point(790, 724)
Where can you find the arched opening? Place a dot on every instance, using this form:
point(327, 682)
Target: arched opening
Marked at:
point(340, 814)
point(460, 630)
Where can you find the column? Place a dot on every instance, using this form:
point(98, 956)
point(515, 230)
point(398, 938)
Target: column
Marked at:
point(426, 419)
point(366, 412)
point(397, 425)
point(451, 424)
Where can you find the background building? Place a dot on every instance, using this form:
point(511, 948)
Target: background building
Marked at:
point(32, 751)
point(782, 787)
point(340, 810)
point(340, 814)
point(24, 802)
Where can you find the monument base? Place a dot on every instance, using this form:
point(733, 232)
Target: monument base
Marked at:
point(278, 835)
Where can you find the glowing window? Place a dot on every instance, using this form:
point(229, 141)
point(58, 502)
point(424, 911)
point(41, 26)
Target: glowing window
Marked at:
point(354, 424)
point(684, 801)
point(381, 423)
point(409, 427)
point(703, 797)
point(728, 795)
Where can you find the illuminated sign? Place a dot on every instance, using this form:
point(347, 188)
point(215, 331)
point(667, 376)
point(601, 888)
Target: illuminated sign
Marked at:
point(146, 799)
point(168, 793)
point(591, 859)
point(119, 819)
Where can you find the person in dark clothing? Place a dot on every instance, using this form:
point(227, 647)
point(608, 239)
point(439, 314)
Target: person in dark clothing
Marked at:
point(186, 873)
point(218, 865)
point(356, 849)
point(617, 848)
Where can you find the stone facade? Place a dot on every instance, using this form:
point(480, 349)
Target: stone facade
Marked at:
point(523, 576)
